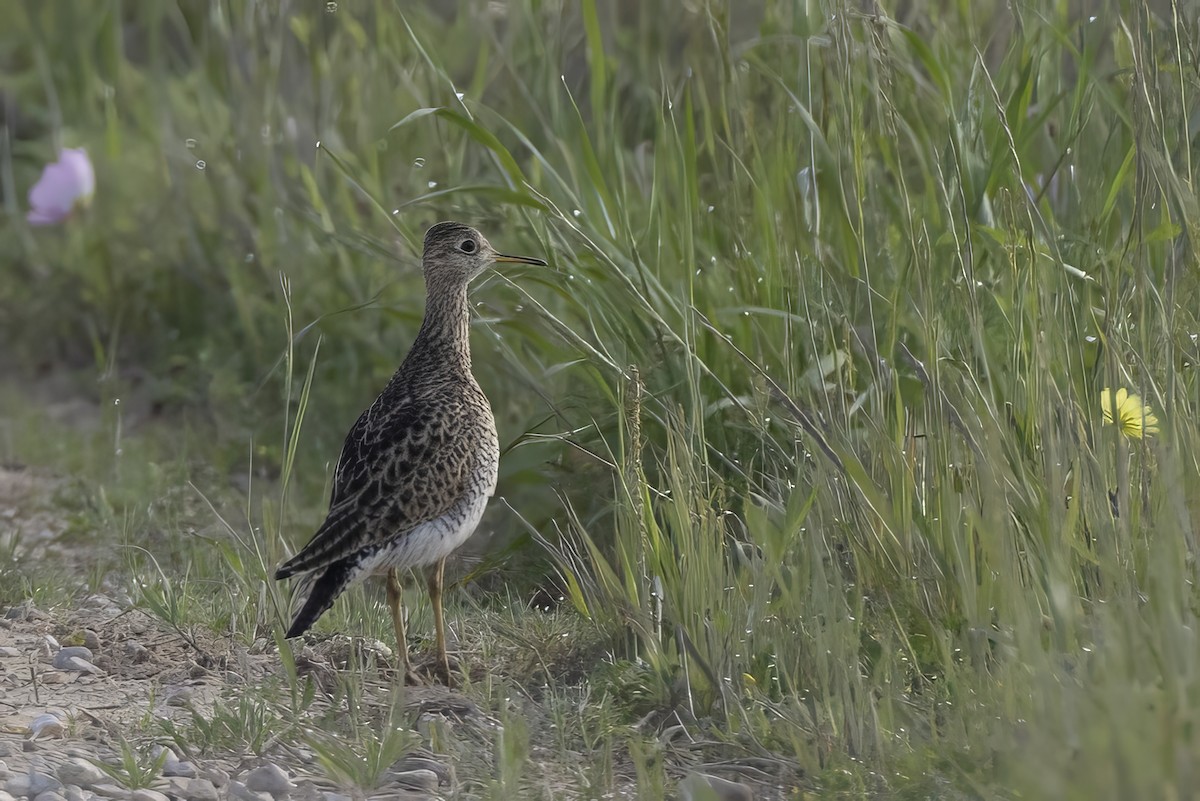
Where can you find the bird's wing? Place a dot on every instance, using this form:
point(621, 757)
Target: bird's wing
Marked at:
point(397, 470)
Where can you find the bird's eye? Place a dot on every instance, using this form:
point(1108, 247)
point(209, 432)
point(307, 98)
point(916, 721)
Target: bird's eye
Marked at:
point(467, 246)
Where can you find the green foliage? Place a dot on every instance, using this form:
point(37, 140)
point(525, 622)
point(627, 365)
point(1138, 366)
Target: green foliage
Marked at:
point(136, 769)
point(363, 760)
point(806, 408)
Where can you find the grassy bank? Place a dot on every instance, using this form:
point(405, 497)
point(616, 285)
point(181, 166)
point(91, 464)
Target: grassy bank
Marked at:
point(803, 421)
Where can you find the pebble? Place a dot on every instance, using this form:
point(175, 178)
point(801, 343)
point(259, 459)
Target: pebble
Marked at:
point(111, 791)
point(32, 784)
point(217, 776)
point(103, 603)
point(77, 794)
point(49, 795)
point(269, 778)
point(243, 793)
point(24, 611)
point(45, 726)
point(147, 795)
point(4, 796)
point(698, 786)
point(422, 780)
point(135, 652)
point(176, 767)
point(9, 651)
point(6, 749)
point(83, 666)
point(82, 773)
point(178, 695)
point(417, 762)
point(91, 639)
point(194, 790)
point(63, 659)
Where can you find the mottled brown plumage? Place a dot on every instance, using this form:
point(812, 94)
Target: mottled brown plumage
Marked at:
point(419, 465)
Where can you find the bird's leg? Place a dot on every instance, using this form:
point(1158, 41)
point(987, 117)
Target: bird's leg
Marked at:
point(395, 597)
point(435, 597)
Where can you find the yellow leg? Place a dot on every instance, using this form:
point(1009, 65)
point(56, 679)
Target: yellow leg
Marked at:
point(395, 596)
point(435, 596)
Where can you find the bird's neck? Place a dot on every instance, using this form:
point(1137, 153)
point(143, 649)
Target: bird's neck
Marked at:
point(444, 341)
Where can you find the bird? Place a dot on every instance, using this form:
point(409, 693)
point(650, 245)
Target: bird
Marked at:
point(417, 469)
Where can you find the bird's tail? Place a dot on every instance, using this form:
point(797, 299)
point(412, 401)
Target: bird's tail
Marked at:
point(322, 588)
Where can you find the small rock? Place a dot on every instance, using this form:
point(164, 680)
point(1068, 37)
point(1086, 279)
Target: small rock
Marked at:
point(18, 786)
point(135, 652)
point(425, 781)
point(337, 797)
point(77, 794)
point(217, 776)
point(54, 677)
point(6, 749)
point(103, 603)
point(62, 660)
point(697, 786)
point(81, 772)
point(417, 762)
point(176, 767)
point(50, 644)
point(270, 779)
point(5, 773)
point(243, 793)
point(178, 695)
point(41, 782)
point(198, 790)
point(83, 666)
point(147, 795)
point(91, 639)
point(24, 611)
point(49, 795)
point(7, 651)
point(113, 791)
point(45, 727)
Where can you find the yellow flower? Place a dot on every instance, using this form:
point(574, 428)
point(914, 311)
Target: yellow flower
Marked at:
point(1134, 419)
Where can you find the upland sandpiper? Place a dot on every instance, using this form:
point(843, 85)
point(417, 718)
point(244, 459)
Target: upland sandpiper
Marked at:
point(419, 466)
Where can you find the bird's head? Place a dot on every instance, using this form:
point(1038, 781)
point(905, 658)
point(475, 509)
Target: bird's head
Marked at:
point(456, 253)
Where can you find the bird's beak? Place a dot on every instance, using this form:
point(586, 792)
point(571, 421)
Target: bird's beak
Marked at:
point(520, 260)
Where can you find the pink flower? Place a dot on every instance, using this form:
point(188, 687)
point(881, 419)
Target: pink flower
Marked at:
point(65, 184)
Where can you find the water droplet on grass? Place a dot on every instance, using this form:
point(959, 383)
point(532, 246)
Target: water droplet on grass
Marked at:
point(201, 164)
point(418, 162)
point(190, 144)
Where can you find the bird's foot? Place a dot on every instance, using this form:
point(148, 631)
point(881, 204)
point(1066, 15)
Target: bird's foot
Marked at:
point(412, 678)
point(434, 670)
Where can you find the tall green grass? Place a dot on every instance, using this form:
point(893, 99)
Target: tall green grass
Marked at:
point(832, 299)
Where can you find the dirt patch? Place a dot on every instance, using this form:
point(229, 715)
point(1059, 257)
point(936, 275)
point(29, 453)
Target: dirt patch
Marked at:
point(140, 668)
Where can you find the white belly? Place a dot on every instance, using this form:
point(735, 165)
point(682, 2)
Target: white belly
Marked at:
point(432, 541)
